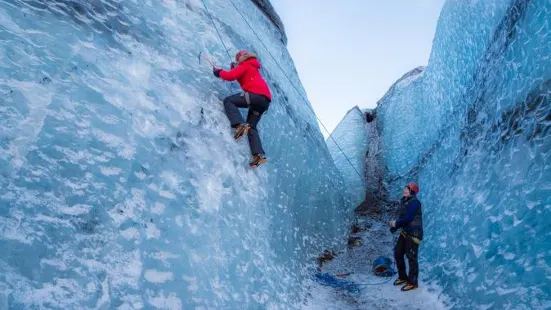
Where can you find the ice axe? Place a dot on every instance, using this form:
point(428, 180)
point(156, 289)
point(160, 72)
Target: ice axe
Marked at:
point(206, 58)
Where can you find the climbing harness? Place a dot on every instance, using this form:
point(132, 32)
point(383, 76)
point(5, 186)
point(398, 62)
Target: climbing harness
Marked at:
point(248, 99)
point(285, 74)
point(414, 239)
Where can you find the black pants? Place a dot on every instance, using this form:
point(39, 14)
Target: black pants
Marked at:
point(259, 104)
point(406, 246)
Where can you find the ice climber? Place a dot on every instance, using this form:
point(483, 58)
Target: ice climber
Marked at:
point(411, 223)
point(256, 96)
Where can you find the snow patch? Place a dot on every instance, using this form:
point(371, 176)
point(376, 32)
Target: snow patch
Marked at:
point(152, 232)
point(130, 233)
point(110, 171)
point(170, 302)
point(76, 209)
point(155, 276)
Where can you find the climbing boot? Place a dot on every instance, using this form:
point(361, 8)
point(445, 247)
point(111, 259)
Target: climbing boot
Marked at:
point(399, 282)
point(258, 160)
point(241, 130)
point(408, 287)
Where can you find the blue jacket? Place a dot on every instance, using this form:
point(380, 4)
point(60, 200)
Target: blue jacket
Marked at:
point(411, 209)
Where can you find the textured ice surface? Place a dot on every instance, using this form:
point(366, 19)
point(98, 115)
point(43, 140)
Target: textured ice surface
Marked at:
point(347, 145)
point(121, 186)
point(474, 131)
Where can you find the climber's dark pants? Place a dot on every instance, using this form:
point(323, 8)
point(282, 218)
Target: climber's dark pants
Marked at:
point(259, 105)
point(406, 246)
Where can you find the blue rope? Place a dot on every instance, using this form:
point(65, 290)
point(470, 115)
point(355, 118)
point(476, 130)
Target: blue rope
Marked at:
point(218, 32)
point(300, 94)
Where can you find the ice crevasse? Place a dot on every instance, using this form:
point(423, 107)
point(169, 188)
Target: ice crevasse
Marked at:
point(121, 185)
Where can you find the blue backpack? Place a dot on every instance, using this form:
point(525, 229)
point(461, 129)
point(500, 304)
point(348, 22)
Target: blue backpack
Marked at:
point(382, 267)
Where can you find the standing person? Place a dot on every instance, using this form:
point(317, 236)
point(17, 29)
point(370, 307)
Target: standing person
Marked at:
point(411, 223)
point(256, 96)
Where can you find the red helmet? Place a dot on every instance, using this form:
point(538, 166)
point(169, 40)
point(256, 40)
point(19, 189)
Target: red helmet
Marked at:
point(413, 188)
point(239, 54)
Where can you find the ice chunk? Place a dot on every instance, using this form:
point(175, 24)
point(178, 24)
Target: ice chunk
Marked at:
point(348, 145)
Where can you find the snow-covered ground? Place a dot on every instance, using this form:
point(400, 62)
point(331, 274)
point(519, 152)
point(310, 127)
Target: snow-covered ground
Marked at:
point(376, 292)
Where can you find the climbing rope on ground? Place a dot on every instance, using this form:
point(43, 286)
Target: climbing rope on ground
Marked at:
point(381, 267)
point(283, 71)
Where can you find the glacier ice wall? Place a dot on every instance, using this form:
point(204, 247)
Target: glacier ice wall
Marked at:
point(474, 130)
point(375, 192)
point(347, 145)
point(268, 9)
point(121, 186)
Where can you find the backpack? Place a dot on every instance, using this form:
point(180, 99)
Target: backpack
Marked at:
point(382, 267)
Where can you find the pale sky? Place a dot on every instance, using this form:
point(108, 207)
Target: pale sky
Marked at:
point(349, 52)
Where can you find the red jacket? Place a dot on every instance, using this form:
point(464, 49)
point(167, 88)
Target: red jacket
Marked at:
point(248, 75)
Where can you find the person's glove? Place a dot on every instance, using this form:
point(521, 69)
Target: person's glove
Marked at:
point(392, 223)
point(393, 230)
point(232, 65)
point(216, 71)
